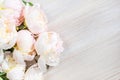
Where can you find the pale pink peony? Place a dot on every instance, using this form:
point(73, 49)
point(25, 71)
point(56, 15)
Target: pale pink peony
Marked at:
point(25, 41)
point(8, 33)
point(49, 47)
point(13, 10)
point(25, 47)
point(14, 71)
point(35, 19)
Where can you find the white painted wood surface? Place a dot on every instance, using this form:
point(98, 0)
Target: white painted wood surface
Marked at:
point(91, 33)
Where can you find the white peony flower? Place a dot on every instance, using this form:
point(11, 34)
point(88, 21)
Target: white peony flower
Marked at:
point(14, 71)
point(25, 47)
point(35, 19)
point(33, 73)
point(8, 33)
point(13, 10)
point(25, 41)
point(49, 47)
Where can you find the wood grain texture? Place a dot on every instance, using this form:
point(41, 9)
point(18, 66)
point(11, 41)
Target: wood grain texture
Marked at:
point(91, 33)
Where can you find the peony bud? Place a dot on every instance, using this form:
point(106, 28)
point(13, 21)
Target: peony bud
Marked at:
point(35, 19)
point(25, 41)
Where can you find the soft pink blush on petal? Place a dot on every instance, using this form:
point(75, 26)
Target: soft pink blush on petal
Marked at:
point(17, 6)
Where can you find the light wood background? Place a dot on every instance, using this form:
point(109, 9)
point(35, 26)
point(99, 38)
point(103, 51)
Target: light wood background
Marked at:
point(90, 30)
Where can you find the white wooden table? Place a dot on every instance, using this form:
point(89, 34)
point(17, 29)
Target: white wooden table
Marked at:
point(91, 33)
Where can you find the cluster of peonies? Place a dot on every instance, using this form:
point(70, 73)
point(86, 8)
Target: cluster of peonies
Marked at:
point(23, 27)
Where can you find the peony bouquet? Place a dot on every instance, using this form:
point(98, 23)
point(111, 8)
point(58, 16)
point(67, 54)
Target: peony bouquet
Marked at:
point(27, 49)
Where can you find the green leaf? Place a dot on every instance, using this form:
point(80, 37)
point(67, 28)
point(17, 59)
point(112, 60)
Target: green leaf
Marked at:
point(30, 3)
point(3, 76)
point(21, 27)
point(24, 2)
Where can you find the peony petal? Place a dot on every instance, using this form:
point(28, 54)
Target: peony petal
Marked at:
point(14, 4)
point(5, 65)
point(35, 19)
point(42, 64)
point(33, 73)
point(49, 46)
point(29, 57)
point(17, 7)
point(17, 73)
point(8, 63)
point(25, 41)
point(52, 59)
point(1, 56)
point(8, 34)
point(18, 56)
